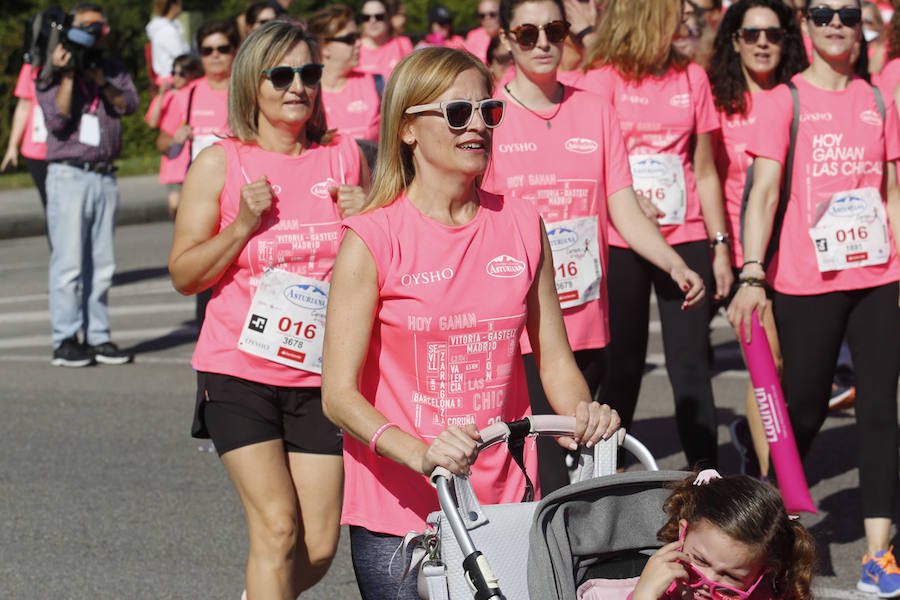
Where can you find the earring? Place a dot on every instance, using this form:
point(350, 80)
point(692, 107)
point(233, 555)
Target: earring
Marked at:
point(409, 141)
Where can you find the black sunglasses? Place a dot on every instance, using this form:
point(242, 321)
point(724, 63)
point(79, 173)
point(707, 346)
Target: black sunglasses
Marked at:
point(527, 35)
point(179, 74)
point(377, 16)
point(485, 15)
point(750, 35)
point(208, 50)
point(458, 113)
point(283, 76)
point(347, 38)
point(823, 15)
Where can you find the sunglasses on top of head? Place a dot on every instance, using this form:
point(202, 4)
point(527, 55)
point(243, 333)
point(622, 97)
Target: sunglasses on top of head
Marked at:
point(347, 38)
point(823, 15)
point(527, 35)
point(750, 35)
point(208, 50)
point(283, 76)
point(458, 113)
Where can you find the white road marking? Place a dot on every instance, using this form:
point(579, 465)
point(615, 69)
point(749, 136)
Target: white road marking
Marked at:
point(166, 308)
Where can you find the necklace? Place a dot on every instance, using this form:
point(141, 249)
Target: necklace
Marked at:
point(537, 114)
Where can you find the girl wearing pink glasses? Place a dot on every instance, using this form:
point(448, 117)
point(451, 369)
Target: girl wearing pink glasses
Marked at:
point(728, 539)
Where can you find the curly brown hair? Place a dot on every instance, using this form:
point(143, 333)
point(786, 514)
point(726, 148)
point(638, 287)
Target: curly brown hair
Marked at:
point(752, 513)
point(726, 76)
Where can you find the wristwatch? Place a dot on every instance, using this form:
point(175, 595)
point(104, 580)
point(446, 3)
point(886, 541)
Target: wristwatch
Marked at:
point(721, 238)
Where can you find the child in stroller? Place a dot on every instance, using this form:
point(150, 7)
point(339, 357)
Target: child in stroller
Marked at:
point(728, 538)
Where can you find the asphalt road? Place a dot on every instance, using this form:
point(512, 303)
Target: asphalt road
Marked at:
point(103, 494)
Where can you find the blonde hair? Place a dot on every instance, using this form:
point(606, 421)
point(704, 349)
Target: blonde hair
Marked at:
point(262, 49)
point(417, 79)
point(635, 37)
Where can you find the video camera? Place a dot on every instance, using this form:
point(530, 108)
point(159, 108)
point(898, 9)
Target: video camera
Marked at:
point(46, 30)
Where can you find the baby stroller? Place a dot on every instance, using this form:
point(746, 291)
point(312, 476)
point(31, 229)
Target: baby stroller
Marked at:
point(602, 526)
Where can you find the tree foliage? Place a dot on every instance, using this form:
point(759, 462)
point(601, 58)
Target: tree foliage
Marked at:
point(127, 19)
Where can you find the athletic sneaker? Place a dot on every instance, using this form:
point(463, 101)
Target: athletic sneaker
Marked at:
point(72, 353)
point(743, 441)
point(109, 354)
point(842, 396)
point(880, 575)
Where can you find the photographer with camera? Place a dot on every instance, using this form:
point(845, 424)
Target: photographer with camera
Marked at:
point(86, 95)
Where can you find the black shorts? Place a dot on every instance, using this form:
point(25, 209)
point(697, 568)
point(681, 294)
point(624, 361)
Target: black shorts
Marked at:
point(235, 412)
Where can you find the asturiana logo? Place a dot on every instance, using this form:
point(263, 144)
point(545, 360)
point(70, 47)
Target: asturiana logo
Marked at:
point(306, 296)
point(847, 206)
point(321, 189)
point(561, 238)
point(505, 266)
point(681, 100)
point(648, 167)
point(871, 117)
point(581, 145)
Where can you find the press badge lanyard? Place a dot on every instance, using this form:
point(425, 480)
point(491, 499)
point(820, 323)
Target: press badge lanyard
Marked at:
point(89, 127)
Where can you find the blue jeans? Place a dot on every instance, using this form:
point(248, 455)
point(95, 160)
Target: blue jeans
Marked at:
point(81, 219)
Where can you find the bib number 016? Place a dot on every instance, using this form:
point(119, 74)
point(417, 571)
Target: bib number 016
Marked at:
point(853, 234)
point(569, 269)
point(297, 328)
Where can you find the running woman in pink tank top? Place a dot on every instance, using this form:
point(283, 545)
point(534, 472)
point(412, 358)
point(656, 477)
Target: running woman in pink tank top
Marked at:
point(432, 288)
point(259, 225)
point(758, 46)
point(835, 272)
point(574, 171)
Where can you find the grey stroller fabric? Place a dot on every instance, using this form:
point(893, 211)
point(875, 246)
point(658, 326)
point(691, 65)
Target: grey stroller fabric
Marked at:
point(586, 522)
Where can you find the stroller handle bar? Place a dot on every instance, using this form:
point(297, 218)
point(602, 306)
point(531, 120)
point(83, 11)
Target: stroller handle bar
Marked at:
point(547, 425)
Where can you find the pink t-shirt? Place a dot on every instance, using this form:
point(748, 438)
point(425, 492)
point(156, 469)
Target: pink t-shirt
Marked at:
point(355, 111)
point(888, 79)
point(383, 59)
point(660, 116)
point(32, 148)
point(208, 118)
point(842, 145)
point(477, 42)
point(300, 233)
point(444, 350)
point(567, 172)
point(732, 162)
point(171, 170)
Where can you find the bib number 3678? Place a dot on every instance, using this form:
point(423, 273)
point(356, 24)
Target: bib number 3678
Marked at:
point(286, 320)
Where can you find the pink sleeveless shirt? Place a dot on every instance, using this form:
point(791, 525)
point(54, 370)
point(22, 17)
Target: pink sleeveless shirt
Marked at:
point(300, 233)
point(444, 349)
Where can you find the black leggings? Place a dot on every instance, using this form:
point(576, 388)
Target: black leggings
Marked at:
point(552, 469)
point(810, 329)
point(685, 342)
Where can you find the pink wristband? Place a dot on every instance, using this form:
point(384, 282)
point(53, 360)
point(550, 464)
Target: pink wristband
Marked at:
point(375, 436)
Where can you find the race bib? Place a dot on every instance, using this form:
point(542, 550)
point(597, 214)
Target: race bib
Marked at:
point(38, 126)
point(660, 177)
point(286, 320)
point(89, 130)
point(576, 260)
point(851, 231)
point(200, 142)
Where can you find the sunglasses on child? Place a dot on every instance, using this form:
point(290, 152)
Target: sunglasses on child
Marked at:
point(719, 591)
point(527, 35)
point(208, 50)
point(283, 76)
point(458, 113)
point(822, 15)
point(347, 38)
point(750, 35)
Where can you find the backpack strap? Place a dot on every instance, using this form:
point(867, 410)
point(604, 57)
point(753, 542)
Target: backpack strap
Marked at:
point(879, 100)
point(786, 178)
point(379, 84)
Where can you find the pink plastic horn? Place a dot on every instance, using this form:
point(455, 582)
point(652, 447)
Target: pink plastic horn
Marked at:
point(779, 434)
